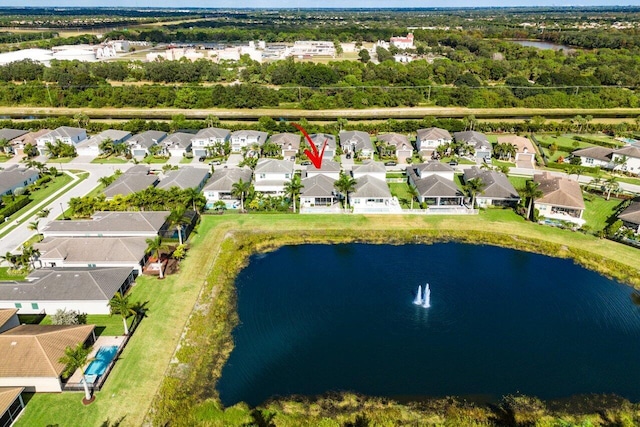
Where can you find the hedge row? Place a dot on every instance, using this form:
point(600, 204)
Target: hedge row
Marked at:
point(19, 203)
point(566, 166)
point(595, 142)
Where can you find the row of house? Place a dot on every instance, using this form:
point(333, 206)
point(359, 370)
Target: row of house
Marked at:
point(14, 177)
point(140, 177)
point(625, 159)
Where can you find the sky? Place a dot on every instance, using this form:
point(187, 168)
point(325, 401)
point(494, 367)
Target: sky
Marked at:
point(313, 3)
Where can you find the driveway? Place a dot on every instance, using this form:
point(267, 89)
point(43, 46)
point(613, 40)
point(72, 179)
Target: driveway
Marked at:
point(234, 159)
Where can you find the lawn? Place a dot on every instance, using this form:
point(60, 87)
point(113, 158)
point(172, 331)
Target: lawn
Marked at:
point(186, 160)
point(5, 158)
point(155, 160)
point(109, 160)
point(105, 324)
point(59, 160)
point(599, 211)
point(134, 382)
point(401, 191)
point(518, 182)
point(5, 276)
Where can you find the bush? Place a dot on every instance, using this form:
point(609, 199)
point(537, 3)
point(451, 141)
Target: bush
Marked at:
point(595, 141)
point(18, 203)
point(71, 317)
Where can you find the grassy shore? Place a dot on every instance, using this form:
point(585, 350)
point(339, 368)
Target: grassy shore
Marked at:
point(177, 381)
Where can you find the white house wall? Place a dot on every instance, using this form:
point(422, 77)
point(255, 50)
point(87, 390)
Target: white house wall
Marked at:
point(50, 307)
point(33, 384)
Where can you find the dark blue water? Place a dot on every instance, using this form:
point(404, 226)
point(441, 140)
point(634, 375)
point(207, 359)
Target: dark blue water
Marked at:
point(319, 318)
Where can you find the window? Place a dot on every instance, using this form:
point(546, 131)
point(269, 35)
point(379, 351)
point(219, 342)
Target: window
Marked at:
point(91, 265)
point(34, 305)
point(287, 175)
point(18, 305)
point(589, 161)
point(262, 176)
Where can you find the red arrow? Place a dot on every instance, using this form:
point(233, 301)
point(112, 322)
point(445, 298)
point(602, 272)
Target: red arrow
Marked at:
point(315, 157)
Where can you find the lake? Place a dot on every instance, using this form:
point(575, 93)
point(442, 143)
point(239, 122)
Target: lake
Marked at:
point(319, 318)
point(541, 45)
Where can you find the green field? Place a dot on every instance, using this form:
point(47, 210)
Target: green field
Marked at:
point(600, 212)
point(5, 276)
point(109, 160)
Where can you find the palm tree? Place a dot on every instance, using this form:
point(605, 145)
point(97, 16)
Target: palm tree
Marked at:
point(10, 258)
point(75, 358)
point(194, 198)
point(413, 192)
point(121, 305)
point(345, 185)
point(611, 184)
point(177, 217)
point(33, 225)
point(531, 192)
point(292, 189)
point(473, 187)
point(43, 213)
point(240, 189)
point(156, 245)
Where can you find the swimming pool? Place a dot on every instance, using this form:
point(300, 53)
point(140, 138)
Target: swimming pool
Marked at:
point(103, 357)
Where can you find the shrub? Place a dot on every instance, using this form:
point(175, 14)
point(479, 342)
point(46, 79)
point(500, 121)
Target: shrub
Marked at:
point(71, 317)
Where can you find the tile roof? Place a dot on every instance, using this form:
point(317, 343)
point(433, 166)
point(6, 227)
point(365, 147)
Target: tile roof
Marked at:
point(396, 139)
point(472, 137)
point(559, 191)
point(178, 140)
point(369, 166)
point(432, 166)
point(31, 137)
point(212, 133)
point(371, 187)
point(35, 350)
point(186, 177)
point(147, 139)
point(319, 138)
point(285, 140)
point(496, 184)
point(317, 186)
point(631, 213)
point(89, 250)
point(223, 179)
point(520, 142)
point(598, 153)
point(435, 186)
point(15, 176)
point(64, 132)
point(110, 223)
point(10, 134)
point(5, 315)
point(273, 166)
point(260, 136)
point(127, 184)
point(112, 134)
point(8, 395)
point(326, 166)
point(361, 140)
point(629, 151)
point(433, 134)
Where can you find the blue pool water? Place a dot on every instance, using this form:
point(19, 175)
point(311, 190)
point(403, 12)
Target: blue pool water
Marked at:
point(104, 356)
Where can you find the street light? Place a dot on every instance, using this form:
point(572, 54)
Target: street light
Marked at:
point(62, 209)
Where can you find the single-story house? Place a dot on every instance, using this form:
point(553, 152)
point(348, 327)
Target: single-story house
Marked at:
point(11, 405)
point(71, 252)
point(14, 177)
point(271, 175)
point(427, 140)
point(31, 354)
point(595, 157)
point(561, 198)
point(318, 191)
point(319, 140)
point(403, 150)
point(213, 138)
point(8, 319)
point(246, 139)
point(186, 177)
point(47, 290)
point(370, 168)
point(91, 146)
point(623, 159)
point(288, 142)
point(328, 168)
point(110, 224)
point(9, 135)
point(18, 144)
point(525, 151)
point(140, 143)
point(497, 190)
point(133, 180)
point(65, 134)
point(478, 141)
point(220, 186)
point(357, 142)
point(432, 167)
point(177, 144)
point(628, 158)
point(372, 195)
point(434, 190)
point(630, 217)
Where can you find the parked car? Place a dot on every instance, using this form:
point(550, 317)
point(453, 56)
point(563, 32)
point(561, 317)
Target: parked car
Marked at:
point(487, 160)
point(215, 162)
point(453, 163)
point(390, 163)
point(306, 163)
point(347, 156)
point(202, 158)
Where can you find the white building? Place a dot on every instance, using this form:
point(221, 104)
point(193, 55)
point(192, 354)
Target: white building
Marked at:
point(402, 42)
point(65, 134)
point(271, 175)
point(206, 138)
point(302, 48)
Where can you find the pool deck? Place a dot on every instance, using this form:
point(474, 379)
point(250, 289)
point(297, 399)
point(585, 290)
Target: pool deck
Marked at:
point(100, 342)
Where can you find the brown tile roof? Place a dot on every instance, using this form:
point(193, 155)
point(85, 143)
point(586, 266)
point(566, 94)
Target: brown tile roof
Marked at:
point(519, 141)
point(6, 314)
point(8, 395)
point(34, 350)
point(559, 191)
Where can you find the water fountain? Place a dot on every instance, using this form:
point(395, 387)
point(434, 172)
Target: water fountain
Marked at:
point(418, 299)
point(427, 296)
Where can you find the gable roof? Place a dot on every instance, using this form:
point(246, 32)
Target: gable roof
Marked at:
point(396, 139)
point(432, 166)
point(317, 186)
point(559, 191)
point(89, 250)
point(127, 184)
point(496, 184)
point(10, 134)
point(520, 142)
point(369, 166)
point(212, 133)
point(285, 140)
point(15, 176)
point(31, 137)
point(34, 350)
point(319, 138)
point(110, 223)
point(359, 139)
point(113, 134)
point(598, 153)
point(629, 151)
point(326, 166)
point(64, 132)
point(178, 139)
point(223, 179)
point(472, 137)
point(631, 213)
point(261, 136)
point(433, 134)
point(368, 186)
point(147, 139)
point(435, 186)
point(186, 177)
point(5, 315)
point(67, 284)
point(273, 166)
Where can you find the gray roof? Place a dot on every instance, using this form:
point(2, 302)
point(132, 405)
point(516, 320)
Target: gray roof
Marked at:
point(319, 138)
point(496, 184)
point(67, 284)
point(112, 134)
point(629, 151)
point(433, 134)
point(261, 136)
point(14, 176)
point(371, 187)
point(147, 139)
point(631, 213)
point(318, 186)
point(186, 177)
point(359, 139)
point(223, 179)
point(432, 166)
point(178, 139)
point(64, 132)
point(212, 133)
point(326, 166)
point(435, 186)
point(30, 138)
point(129, 183)
point(598, 153)
point(472, 137)
point(91, 250)
point(369, 166)
point(396, 139)
point(10, 134)
point(110, 223)
point(273, 166)
point(138, 169)
point(285, 140)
